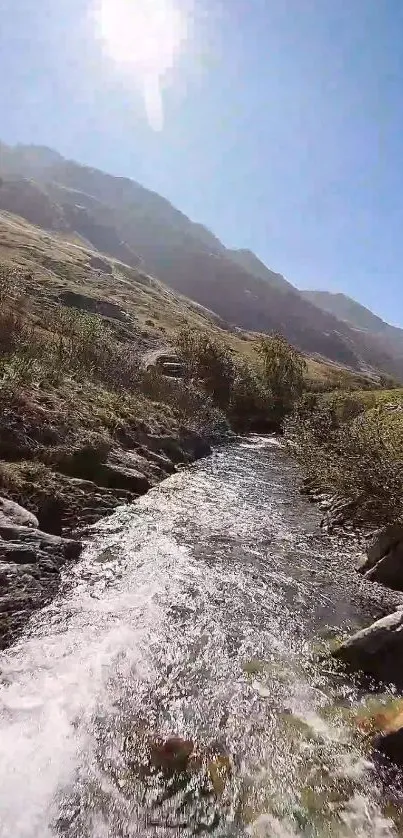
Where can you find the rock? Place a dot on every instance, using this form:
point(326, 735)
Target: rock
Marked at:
point(101, 265)
point(111, 469)
point(18, 553)
point(17, 514)
point(171, 755)
point(115, 476)
point(382, 541)
point(390, 745)
point(82, 302)
point(195, 445)
point(384, 559)
point(377, 650)
point(30, 563)
point(41, 540)
point(389, 570)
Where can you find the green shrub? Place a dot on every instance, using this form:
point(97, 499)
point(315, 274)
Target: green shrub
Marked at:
point(209, 362)
point(283, 371)
point(354, 453)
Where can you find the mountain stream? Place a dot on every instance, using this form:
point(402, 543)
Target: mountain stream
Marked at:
point(195, 617)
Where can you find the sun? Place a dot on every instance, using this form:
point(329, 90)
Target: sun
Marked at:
point(144, 38)
point(146, 34)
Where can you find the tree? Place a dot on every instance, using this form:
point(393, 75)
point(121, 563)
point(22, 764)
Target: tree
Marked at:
point(283, 370)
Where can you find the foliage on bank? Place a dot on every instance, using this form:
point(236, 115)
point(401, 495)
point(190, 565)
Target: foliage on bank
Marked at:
point(351, 444)
point(253, 397)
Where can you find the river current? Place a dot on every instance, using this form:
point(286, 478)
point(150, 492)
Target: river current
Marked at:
point(198, 613)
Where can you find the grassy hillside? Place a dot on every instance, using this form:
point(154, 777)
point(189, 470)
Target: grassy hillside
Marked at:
point(83, 424)
point(132, 224)
point(141, 308)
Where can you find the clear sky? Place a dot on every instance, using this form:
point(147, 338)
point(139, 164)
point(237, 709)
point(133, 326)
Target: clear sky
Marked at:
point(283, 123)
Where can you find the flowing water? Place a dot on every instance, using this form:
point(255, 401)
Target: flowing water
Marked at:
point(195, 613)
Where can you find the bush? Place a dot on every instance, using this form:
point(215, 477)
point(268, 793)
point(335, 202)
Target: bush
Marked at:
point(356, 454)
point(190, 405)
point(209, 362)
point(251, 404)
point(252, 397)
point(68, 344)
point(283, 371)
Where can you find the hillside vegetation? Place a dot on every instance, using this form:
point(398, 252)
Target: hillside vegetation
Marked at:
point(351, 445)
point(121, 218)
point(85, 423)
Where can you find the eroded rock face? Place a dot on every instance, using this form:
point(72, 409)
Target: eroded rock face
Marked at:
point(376, 651)
point(91, 479)
point(384, 559)
point(30, 563)
point(13, 512)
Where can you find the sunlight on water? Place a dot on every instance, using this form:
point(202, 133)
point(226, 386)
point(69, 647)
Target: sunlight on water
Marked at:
point(193, 614)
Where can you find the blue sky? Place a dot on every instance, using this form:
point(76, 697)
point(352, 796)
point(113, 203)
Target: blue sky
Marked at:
point(283, 126)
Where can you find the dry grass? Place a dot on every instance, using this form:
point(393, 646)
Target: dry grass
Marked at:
point(154, 313)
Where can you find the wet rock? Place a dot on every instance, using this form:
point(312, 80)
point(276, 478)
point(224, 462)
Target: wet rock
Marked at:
point(115, 476)
point(255, 666)
point(43, 541)
point(16, 514)
point(390, 745)
point(377, 650)
point(389, 570)
point(30, 563)
point(186, 447)
point(172, 754)
point(382, 541)
point(194, 445)
point(220, 771)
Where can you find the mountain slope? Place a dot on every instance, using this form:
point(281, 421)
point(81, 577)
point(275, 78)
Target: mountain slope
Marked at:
point(357, 315)
point(246, 259)
point(126, 221)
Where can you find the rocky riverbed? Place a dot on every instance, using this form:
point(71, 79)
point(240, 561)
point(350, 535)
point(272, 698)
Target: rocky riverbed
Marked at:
point(91, 481)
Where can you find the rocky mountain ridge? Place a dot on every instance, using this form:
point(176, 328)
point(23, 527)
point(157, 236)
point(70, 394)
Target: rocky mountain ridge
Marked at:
point(358, 316)
point(121, 218)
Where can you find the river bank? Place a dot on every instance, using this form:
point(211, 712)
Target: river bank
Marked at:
point(61, 478)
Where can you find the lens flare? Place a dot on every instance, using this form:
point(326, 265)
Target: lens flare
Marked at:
point(144, 36)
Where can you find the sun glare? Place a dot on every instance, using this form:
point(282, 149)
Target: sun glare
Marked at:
point(145, 36)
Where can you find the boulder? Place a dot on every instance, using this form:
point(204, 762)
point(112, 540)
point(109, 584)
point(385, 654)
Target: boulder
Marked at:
point(17, 514)
point(376, 651)
point(40, 540)
point(115, 476)
point(384, 557)
point(389, 570)
point(382, 541)
point(30, 564)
